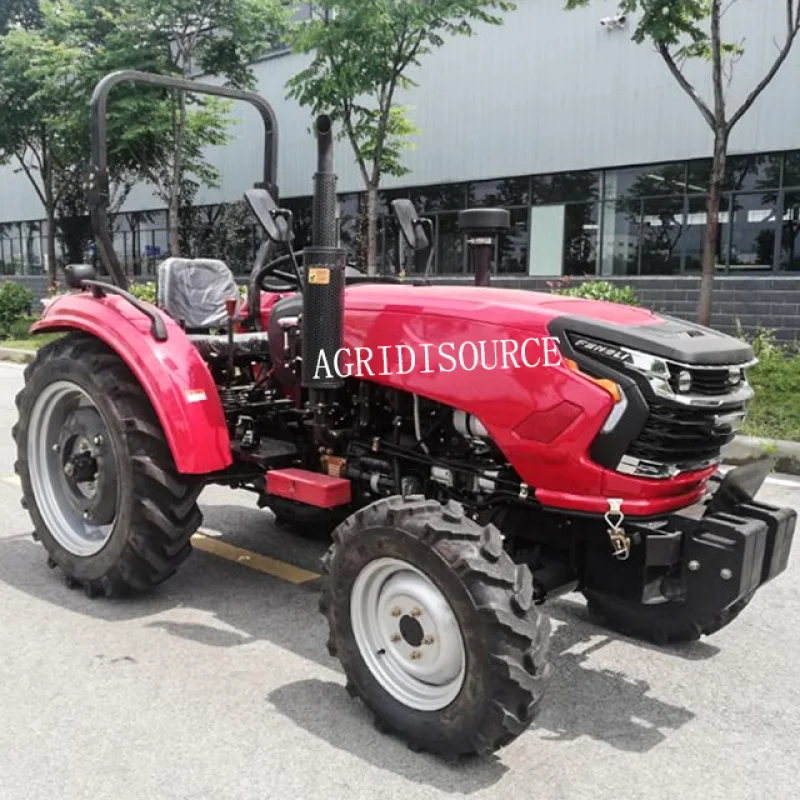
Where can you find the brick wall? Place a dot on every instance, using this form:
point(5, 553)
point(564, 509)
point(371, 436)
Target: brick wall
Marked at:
point(755, 302)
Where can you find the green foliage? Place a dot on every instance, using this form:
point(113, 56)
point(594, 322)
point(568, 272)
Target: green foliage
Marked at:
point(362, 53)
point(16, 302)
point(775, 410)
point(143, 291)
point(598, 290)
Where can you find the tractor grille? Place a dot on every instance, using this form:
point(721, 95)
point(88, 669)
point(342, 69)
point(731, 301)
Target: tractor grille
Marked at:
point(679, 435)
point(705, 381)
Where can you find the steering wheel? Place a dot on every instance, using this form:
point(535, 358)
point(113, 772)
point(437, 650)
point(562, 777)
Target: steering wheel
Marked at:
point(280, 268)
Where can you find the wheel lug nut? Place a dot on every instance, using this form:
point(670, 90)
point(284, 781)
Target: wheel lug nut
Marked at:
point(416, 612)
point(55, 448)
point(428, 640)
point(397, 611)
point(415, 656)
point(395, 637)
point(98, 440)
point(69, 470)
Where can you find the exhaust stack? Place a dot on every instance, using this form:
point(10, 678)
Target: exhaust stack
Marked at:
point(324, 267)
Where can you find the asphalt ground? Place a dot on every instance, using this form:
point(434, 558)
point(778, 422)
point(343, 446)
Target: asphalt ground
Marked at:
point(219, 686)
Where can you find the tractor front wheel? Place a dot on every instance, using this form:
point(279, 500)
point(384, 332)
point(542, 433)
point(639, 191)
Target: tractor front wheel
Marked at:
point(435, 626)
point(97, 475)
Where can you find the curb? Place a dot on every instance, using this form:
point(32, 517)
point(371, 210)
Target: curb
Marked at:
point(17, 356)
point(746, 449)
point(742, 450)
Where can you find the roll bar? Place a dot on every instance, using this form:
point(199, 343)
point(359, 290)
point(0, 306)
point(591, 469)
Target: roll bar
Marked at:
point(98, 181)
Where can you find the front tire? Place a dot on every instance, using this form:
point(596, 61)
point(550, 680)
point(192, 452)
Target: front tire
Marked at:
point(435, 626)
point(98, 478)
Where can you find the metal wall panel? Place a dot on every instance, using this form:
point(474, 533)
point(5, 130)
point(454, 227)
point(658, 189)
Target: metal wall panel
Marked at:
point(548, 91)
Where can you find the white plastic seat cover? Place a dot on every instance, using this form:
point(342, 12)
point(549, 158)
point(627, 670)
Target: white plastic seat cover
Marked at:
point(194, 291)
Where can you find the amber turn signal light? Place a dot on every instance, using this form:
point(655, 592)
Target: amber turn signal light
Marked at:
point(611, 387)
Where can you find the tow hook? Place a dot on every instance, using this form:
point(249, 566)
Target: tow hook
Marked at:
point(620, 542)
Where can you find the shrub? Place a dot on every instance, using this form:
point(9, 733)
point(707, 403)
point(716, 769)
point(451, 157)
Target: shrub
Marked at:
point(20, 328)
point(144, 291)
point(16, 301)
point(598, 290)
point(774, 412)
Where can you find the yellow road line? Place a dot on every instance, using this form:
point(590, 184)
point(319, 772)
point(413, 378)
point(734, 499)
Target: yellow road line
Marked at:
point(208, 543)
point(269, 566)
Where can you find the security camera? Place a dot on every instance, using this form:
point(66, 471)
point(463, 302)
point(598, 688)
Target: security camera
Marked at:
point(613, 23)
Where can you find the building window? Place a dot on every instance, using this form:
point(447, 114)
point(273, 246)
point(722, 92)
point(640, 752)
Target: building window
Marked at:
point(753, 233)
point(790, 240)
point(502, 194)
point(694, 236)
point(566, 187)
point(753, 172)
point(653, 181)
point(581, 238)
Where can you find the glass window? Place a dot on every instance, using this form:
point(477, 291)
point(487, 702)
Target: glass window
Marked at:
point(695, 232)
point(449, 245)
point(752, 244)
point(349, 204)
point(790, 241)
point(449, 197)
point(652, 181)
point(301, 208)
point(565, 187)
point(752, 172)
point(621, 230)
point(791, 169)
point(662, 230)
point(509, 192)
point(512, 247)
point(385, 199)
point(581, 238)
point(698, 176)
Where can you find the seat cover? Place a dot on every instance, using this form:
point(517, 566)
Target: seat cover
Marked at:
point(194, 291)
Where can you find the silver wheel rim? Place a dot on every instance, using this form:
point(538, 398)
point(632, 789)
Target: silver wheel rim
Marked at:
point(408, 634)
point(65, 500)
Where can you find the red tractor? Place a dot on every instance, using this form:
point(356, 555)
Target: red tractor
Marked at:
point(538, 445)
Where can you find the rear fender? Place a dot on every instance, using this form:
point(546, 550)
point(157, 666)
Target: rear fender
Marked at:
point(172, 374)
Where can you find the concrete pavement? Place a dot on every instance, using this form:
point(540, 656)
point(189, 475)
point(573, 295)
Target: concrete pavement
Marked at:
point(219, 686)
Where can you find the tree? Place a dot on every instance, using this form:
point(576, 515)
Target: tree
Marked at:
point(19, 13)
point(37, 98)
point(682, 30)
point(215, 38)
point(363, 51)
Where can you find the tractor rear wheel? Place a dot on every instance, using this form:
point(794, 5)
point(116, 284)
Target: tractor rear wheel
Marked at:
point(97, 475)
point(435, 626)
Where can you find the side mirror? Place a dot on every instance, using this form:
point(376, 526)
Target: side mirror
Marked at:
point(76, 274)
point(417, 232)
point(266, 210)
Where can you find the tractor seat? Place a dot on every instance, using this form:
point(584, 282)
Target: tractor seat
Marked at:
point(193, 292)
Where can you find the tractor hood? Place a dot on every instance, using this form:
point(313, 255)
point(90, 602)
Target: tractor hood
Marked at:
point(556, 315)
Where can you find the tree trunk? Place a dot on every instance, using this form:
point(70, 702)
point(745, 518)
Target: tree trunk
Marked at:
point(177, 180)
point(372, 230)
point(50, 212)
point(711, 239)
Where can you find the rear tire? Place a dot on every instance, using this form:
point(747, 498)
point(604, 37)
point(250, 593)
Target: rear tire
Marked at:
point(114, 515)
point(413, 587)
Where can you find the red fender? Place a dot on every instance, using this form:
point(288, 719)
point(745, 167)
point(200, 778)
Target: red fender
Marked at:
point(172, 373)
